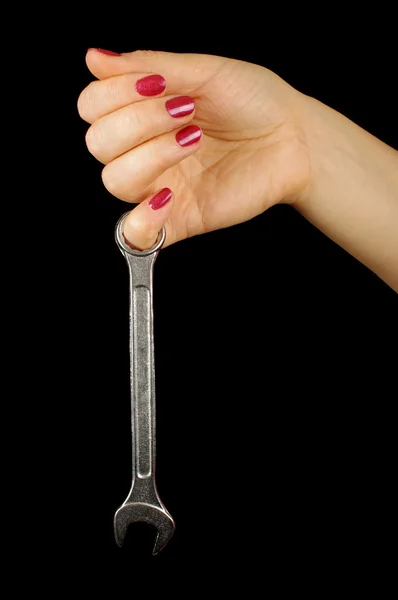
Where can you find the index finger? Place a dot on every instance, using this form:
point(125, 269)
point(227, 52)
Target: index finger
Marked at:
point(193, 70)
point(102, 97)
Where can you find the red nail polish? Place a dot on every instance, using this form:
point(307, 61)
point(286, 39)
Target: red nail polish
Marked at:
point(189, 135)
point(153, 85)
point(180, 107)
point(108, 52)
point(160, 199)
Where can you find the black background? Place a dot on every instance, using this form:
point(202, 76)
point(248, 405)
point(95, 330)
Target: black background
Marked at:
point(275, 350)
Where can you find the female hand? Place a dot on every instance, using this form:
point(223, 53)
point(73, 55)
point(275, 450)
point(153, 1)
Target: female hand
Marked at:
point(241, 150)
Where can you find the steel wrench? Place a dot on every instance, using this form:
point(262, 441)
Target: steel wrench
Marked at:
point(143, 502)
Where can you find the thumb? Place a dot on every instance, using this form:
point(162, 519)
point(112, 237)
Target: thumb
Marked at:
point(193, 70)
point(143, 223)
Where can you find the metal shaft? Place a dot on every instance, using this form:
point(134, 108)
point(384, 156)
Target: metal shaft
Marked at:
point(142, 374)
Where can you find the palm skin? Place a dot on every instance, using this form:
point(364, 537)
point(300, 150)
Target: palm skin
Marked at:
point(253, 154)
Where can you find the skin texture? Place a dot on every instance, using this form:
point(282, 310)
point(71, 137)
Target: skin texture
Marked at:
point(262, 143)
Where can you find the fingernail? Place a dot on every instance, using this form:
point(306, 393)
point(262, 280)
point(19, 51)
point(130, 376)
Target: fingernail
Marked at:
point(189, 135)
point(108, 52)
point(153, 85)
point(180, 107)
point(160, 199)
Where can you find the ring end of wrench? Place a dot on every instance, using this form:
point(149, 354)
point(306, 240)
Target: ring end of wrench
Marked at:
point(127, 250)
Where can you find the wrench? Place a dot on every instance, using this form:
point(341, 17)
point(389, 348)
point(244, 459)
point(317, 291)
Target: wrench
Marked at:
point(143, 502)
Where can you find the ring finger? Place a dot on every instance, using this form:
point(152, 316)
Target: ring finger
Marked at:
point(117, 133)
point(129, 176)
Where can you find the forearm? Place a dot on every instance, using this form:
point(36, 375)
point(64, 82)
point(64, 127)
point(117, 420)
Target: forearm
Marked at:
point(353, 195)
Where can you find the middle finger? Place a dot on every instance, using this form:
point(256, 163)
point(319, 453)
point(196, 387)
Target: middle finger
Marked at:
point(117, 133)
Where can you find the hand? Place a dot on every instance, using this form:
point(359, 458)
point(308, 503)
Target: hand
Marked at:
point(252, 154)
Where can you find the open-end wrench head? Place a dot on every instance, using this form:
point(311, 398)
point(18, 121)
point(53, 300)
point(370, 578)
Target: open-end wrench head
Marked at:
point(135, 512)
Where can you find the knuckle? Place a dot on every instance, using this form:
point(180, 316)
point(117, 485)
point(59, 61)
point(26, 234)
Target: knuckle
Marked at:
point(112, 182)
point(146, 53)
point(133, 120)
point(108, 180)
point(85, 103)
point(112, 90)
point(81, 105)
point(94, 140)
point(128, 120)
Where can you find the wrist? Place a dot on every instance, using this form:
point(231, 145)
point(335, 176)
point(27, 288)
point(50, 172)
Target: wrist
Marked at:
point(351, 194)
point(319, 125)
point(309, 137)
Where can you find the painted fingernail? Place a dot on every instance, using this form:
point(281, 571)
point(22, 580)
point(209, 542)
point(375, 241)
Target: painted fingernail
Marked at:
point(189, 135)
point(160, 199)
point(152, 85)
point(108, 52)
point(180, 107)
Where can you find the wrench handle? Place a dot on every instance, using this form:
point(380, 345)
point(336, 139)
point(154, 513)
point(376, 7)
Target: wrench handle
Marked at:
point(142, 365)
